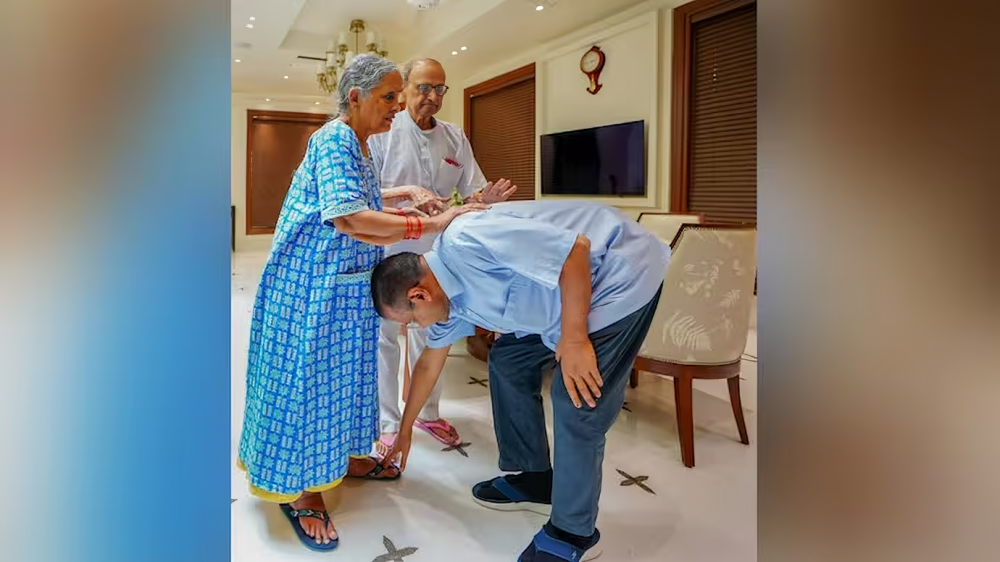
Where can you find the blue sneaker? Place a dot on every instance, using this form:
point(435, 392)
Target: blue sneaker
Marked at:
point(544, 548)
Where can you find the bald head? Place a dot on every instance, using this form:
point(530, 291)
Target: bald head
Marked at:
point(407, 67)
point(423, 82)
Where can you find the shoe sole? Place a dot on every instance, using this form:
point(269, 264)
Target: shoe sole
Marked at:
point(592, 554)
point(538, 508)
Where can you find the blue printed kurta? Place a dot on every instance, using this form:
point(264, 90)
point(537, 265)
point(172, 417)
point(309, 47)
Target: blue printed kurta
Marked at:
point(312, 396)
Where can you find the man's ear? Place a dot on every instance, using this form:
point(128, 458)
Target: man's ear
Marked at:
point(417, 293)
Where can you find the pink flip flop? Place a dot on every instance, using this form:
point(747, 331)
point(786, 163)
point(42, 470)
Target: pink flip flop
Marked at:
point(442, 427)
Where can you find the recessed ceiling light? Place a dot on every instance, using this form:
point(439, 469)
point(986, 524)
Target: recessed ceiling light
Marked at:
point(539, 8)
point(249, 26)
point(317, 103)
point(286, 78)
point(253, 18)
point(267, 99)
point(454, 52)
point(238, 60)
point(465, 48)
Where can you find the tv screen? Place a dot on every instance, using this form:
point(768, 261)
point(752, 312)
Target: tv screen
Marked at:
point(607, 160)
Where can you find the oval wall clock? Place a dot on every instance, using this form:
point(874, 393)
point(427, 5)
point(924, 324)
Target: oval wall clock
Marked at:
point(592, 64)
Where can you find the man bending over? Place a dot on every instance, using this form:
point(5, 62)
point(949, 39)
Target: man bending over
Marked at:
point(571, 286)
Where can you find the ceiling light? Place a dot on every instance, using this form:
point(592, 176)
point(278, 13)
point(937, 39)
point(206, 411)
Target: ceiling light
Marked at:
point(464, 48)
point(238, 60)
point(267, 99)
point(286, 78)
point(317, 103)
point(253, 18)
point(539, 8)
point(454, 52)
point(358, 40)
point(249, 26)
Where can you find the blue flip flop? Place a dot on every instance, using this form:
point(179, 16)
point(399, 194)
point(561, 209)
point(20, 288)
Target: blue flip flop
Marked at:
point(544, 548)
point(309, 542)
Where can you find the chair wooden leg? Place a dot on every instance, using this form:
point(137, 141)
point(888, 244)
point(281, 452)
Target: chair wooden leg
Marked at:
point(633, 380)
point(683, 396)
point(734, 398)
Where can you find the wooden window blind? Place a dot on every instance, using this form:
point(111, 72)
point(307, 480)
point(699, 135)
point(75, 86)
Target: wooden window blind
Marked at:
point(502, 133)
point(723, 117)
point(276, 144)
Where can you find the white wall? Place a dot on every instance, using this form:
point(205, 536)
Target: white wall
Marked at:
point(629, 92)
point(242, 103)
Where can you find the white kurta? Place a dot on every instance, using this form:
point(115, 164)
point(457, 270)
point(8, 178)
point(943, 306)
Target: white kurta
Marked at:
point(407, 155)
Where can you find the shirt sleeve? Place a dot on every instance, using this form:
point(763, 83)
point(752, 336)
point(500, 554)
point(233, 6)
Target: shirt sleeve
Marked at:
point(472, 176)
point(339, 175)
point(446, 333)
point(533, 249)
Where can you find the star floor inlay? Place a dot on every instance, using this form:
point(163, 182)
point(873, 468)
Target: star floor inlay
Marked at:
point(635, 481)
point(394, 555)
point(460, 448)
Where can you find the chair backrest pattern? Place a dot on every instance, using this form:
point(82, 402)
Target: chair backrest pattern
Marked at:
point(703, 316)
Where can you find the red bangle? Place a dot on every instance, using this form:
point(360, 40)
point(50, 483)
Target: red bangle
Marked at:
point(412, 224)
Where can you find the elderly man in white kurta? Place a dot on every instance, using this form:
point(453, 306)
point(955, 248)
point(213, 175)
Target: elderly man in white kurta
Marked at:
point(421, 150)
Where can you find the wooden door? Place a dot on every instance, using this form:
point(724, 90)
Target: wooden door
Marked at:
point(500, 124)
point(276, 144)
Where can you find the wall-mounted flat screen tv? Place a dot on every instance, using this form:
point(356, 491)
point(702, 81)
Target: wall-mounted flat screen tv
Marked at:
point(601, 161)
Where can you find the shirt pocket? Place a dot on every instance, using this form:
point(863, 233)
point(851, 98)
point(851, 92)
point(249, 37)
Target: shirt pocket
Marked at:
point(529, 307)
point(447, 177)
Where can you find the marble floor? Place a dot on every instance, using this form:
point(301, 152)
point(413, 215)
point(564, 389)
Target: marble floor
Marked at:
point(704, 514)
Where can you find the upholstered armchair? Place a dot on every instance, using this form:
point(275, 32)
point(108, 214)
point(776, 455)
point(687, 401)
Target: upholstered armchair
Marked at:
point(666, 225)
point(700, 327)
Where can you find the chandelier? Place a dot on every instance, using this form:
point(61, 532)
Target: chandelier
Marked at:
point(341, 55)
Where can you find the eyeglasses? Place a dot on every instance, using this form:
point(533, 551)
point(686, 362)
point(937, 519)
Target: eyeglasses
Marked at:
point(425, 89)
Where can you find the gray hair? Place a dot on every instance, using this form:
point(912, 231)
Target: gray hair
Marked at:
point(407, 67)
point(364, 73)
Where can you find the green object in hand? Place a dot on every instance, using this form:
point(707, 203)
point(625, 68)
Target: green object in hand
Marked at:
point(456, 199)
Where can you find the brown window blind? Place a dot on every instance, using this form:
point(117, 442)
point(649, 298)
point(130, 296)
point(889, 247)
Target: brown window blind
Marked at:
point(502, 133)
point(276, 144)
point(723, 142)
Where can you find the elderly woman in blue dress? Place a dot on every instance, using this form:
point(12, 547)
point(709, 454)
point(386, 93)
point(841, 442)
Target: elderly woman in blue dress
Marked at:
point(312, 399)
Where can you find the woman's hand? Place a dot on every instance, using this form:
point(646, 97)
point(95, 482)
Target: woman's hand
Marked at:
point(426, 200)
point(418, 197)
point(413, 212)
point(440, 222)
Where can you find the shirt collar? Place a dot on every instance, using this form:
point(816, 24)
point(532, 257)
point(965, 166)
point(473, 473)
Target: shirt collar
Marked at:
point(449, 283)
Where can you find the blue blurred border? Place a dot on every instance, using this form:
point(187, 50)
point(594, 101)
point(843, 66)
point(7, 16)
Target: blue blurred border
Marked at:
point(150, 448)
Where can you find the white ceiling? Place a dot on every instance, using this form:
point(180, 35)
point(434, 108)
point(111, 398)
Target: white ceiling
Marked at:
point(491, 29)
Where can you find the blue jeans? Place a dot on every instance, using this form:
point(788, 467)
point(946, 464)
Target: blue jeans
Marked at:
point(516, 366)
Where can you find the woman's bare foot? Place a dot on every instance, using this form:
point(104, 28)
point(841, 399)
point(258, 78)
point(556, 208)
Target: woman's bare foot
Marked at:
point(363, 467)
point(311, 525)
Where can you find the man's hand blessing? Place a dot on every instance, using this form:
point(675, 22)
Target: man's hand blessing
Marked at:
point(579, 370)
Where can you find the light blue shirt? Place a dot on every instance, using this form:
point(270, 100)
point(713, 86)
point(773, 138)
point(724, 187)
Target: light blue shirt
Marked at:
point(500, 268)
